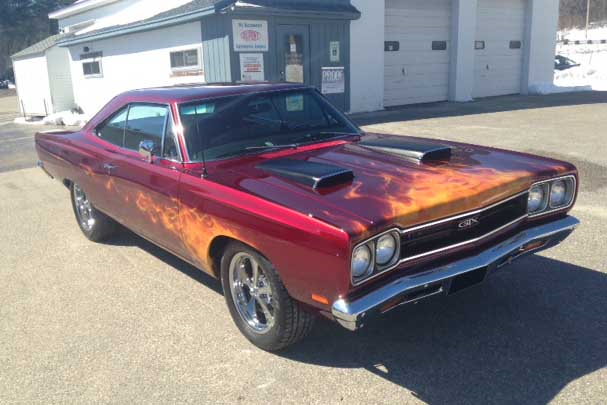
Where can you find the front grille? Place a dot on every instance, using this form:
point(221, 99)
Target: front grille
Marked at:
point(443, 235)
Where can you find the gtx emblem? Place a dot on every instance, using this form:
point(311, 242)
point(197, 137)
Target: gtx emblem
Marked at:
point(468, 223)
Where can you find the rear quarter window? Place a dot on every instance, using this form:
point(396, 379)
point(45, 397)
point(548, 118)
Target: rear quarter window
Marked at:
point(112, 130)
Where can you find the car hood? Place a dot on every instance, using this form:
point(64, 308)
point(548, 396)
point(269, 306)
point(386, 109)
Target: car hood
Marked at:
point(388, 189)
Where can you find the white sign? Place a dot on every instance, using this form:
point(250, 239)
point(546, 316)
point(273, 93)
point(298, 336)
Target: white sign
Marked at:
point(333, 80)
point(251, 67)
point(295, 103)
point(334, 50)
point(250, 35)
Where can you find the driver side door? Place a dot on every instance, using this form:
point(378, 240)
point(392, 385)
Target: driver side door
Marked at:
point(150, 189)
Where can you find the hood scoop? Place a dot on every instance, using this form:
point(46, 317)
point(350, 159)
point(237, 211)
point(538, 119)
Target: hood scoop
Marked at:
point(315, 175)
point(425, 152)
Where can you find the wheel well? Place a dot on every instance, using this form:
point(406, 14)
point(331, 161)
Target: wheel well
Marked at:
point(218, 246)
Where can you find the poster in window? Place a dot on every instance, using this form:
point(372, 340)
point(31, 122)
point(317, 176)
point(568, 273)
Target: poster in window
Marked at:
point(251, 67)
point(333, 80)
point(294, 60)
point(250, 35)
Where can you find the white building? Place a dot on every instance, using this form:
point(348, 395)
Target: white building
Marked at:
point(43, 79)
point(378, 53)
point(493, 47)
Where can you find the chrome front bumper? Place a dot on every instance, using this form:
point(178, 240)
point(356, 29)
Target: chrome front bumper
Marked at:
point(353, 314)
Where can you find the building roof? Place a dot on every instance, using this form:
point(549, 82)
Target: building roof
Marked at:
point(40, 47)
point(197, 9)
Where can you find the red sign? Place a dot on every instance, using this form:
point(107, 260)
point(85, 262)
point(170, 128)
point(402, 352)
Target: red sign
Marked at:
point(250, 35)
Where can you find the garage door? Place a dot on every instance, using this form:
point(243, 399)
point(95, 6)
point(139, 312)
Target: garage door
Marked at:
point(417, 51)
point(499, 47)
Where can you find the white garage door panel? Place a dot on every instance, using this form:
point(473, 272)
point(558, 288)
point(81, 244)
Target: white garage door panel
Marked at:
point(498, 69)
point(31, 76)
point(416, 73)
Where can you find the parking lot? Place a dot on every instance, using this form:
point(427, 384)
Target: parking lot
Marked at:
point(126, 322)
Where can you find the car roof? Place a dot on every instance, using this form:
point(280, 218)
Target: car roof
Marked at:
point(185, 93)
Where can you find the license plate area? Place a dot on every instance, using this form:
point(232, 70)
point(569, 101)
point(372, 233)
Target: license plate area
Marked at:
point(466, 280)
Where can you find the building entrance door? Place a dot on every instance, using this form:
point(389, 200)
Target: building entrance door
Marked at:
point(294, 53)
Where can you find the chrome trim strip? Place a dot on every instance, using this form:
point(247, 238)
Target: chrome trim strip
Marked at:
point(352, 314)
point(455, 246)
point(467, 214)
point(548, 210)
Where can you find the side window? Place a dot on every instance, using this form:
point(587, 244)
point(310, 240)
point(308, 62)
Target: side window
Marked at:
point(145, 122)
point(170, 146)
point(113, 130)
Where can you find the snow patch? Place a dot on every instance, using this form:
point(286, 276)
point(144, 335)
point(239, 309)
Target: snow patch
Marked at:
point(592, 72)
point(23, 121)
point(68, 118)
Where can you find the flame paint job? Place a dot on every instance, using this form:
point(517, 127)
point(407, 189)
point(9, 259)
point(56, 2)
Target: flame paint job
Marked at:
point(307, 234)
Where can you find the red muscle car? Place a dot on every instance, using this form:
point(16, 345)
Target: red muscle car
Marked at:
point(299, 213)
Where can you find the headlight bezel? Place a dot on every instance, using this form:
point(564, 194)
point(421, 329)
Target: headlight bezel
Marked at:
point(370, 265)
point(545, 187)
point(548, 208)
point(376, 268)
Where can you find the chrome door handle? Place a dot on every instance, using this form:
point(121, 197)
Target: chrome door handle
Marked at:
point(108, 167)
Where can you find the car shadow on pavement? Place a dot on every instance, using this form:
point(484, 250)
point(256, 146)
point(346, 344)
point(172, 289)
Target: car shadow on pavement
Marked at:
point(533, 328)
point(127, 238)
point(481, 106)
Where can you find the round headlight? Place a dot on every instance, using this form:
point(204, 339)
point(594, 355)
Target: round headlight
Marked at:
point(537, 199)
point(558, 193)
point(361, 261)
point(385, 249)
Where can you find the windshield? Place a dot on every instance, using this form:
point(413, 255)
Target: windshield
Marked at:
point(231, 126)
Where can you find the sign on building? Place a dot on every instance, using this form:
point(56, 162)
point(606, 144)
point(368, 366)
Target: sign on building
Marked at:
point(251, 67)
point(250, 35)
point(333, 80)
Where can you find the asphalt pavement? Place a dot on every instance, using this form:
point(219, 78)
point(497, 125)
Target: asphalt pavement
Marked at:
point(126, 322)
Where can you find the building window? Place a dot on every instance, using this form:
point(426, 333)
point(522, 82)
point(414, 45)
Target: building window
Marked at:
point(439, 45)
point(91, 63)
point(185, 60)
point(391, 46)
point(478, 45)
point(515, 44)
point(92, 69)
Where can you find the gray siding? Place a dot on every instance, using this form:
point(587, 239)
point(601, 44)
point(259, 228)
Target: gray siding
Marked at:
point(216, 49)
point(322, 32)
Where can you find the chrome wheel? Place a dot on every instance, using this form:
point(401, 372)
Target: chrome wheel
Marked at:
point(252, 293)
point(84, 209)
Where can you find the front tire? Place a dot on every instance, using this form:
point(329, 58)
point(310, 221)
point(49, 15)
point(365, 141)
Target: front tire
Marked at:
point(95, 225)
point(258, 301)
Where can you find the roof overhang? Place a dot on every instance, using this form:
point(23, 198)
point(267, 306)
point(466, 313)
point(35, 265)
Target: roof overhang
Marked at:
point(290, 10)
point(78, 7)
point(141, 27)
point(221, 7)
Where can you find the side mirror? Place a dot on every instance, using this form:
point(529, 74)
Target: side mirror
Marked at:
point(147, 149)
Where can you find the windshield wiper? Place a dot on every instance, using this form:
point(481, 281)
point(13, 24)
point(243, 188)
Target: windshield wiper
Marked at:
point(272, 147)
point(328, 135)
point(256, 149)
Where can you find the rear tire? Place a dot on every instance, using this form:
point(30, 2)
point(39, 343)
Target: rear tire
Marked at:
point(95, 225)
point(259, 302)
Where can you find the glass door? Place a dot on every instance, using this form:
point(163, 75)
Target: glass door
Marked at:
point(294, 53)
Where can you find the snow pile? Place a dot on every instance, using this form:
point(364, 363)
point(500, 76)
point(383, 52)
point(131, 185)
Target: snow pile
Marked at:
point(23, 121)
point(68, 118)
point(575, 34)
point(592, 72)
